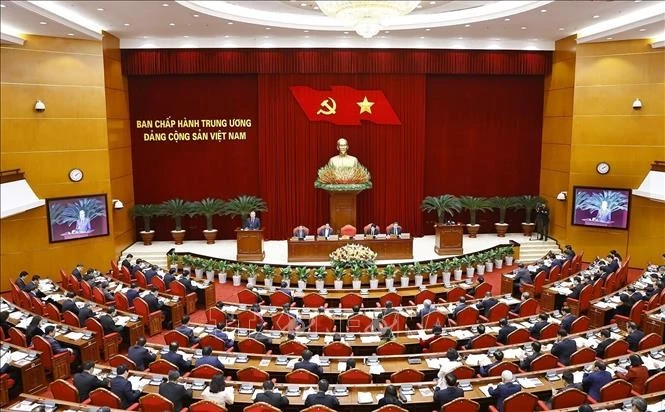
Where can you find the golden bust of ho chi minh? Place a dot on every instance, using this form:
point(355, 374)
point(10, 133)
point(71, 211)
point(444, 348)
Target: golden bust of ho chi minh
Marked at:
point(343, 172)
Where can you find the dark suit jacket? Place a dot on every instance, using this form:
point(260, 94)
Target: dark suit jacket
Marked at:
point(273, 398)
point(177, 359)
point(310, 366)
point(326, 232)
point(126, 264)
point(484, 370)
point(395, 230)
point(523, 276)
point(577, 290)
point(31, 331)
point(168, 278)
point(502, 391)
point(223, 336)
point(84, 314)
point(253, 224)
point(593, 381)
point(424, 311)
point(300, 233)
point(564, 349)
point(187, 283)
point(320, 398)
point(20, 283)
point(611, 267)
point(131, 295)
point(537, 327)
point(485, 305)
point(176, 393)
point(266, 340)
point(634, 339)
point(443, 396)
point(123, 388)
point(153, 303)
point(567, 322)
point(69, 305)
point(600, 349)
point(140, 356)
point(85, 383)
point(525, 364)
point(458, 308)
point(390, 401)
point(189, 332)
point(148, 274)
point(109, 324)
point(55, 345)
point(504, 332)
point(623, 310)
point(77, 274)
point(210, 360)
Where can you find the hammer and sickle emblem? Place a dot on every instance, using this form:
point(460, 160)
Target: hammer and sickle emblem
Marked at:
point(327, 105)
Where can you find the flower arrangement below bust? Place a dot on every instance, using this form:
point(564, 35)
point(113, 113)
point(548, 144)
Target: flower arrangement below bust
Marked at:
point(343, 178)
point(353, 254)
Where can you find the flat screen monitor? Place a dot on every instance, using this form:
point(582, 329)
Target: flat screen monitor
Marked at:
point(601, 207)
point(77, 217)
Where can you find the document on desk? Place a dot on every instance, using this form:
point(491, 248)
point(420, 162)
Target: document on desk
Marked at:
point(23, 406)
point(515, 353)
point(426, 392)
point(578, 376)
point(307, 392)
point(302, 339)
point(17, 356)
point(16, 315)
point(486, 390)
point(370, 339)
point(478, 360)
point(264, 363)
point(230, 309)
point(292, 363)
point(526, 324)
point(365, 397)
point(121, 320)
point(448, 366)
point(376, 369)
point(341, 366)
point(227, 360)
point(74, 335)
point(198, 330)
point(461, 333)
point(528, 383)
point(432, 363)
point(327, 339)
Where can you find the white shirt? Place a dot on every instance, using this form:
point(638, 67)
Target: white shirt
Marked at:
point(221, 398)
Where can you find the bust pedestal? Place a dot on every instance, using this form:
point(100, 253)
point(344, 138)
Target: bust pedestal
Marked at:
point(343, 208)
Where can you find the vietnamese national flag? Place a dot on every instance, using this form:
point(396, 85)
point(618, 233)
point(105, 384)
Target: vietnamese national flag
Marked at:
point(344, 105)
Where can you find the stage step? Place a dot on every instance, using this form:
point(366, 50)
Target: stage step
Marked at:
point(149, 255)
point(532, 250)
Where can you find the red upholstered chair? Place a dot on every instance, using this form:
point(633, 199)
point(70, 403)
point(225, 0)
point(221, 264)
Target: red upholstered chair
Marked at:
point(314, 300)
point(597, 289)
point(291, 347)
point(125, 276)
point(108, 343)
point(115, 270)
point(206, 406)
point(252, 374)
point(282, 321)
point(122, 303)
point(74, 284)
point(483, 341)
point(140, 280)
point(496, 313)
point(611, 283)
point(305, 230)
point(204, 372)
point(118, 360)
point(348, 230)
point(653, 302)
point(354, 377)
point(318, 408)
point(16, 337)
point(549, 332)
point(390, 348)
point(395, 321)
point(104, 397)
point(617, 389)
point(442, 344)
point(24, 300)
point(159, 284)
point(461, 405)
point(215, 315)
point(190, 298)
point(279, 298)
point(64, 280)
point(581, 306)
point(422, 296)
point(214, 342)
point(616, 349)
point(528, 308)
point(433, 318)
point(98, 296)
point(581, 356)
point(322, 323)
point(6, 383)
point(390, 408)
point(480, 291)
point(497, 369)
point(151, 320)
point(407, 376)
point(656, 383)
point(359, 323)
point(248, 319)
point(70, 319)
point(544, 362)
point(519, 402)
point(580, 324)
point(178, 337)
point(350, 300)
point(392, 297)
point(85, 290)
point(63, 359)
point(3, 338)
point(261, 407)
point(569, 398)
point(302, 376)
point(37, 305)
point(153, 402)
point(650, 341)
point(467, 316)
point(337, 349)
point(64, 391)
point(635, 315)
point(454, 294)
point(537, 287)
point(518, 336)
point(251, 345)
point(52, 312)
point(162, 366)
point(565, 269)
point(464, 372)
point(555, 274)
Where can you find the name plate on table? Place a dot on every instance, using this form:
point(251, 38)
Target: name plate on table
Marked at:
point(405, 236)
point(380, 236)
point(309, 238)
point(333, 237)
point(359, 237)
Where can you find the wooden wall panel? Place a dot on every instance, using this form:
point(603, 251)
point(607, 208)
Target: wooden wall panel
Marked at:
point(52, 135)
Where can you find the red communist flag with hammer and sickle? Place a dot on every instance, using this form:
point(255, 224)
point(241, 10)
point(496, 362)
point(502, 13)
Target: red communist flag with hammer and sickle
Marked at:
point(344, 105)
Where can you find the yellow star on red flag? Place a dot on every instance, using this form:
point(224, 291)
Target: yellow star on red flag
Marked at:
point(365, 106)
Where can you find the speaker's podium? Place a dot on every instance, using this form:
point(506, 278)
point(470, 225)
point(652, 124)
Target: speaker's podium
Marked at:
point(250, 245)
point(448, 239)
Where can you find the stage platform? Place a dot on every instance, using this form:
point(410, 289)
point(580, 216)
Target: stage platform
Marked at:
point(277, 250)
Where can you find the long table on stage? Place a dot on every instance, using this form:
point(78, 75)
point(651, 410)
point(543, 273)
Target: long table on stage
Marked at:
point(319, 250)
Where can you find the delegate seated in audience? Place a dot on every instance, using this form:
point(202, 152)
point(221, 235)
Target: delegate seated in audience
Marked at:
point(503, 390)
point(107, 322)
point(175, 392)
point(634, 294)
point(480, 329)
point(479, 280)
point(461, 305)
point(49, 335)
point(391, 397)
point(525, 364)
point(539, 325)
point(522, 277)
point(569, 382)
point(637, 374)
point(85, 381)
point(486, 304)
point(596, 379)
point(187, 282)
point(388, 309)
point(297, 322)
point(505, 329)
point(78, 272)
point(564, 347)
point(127, 261)
point(625, 306)
point(568, 252)
point(219, 332)
point(122, 387)
point(175, 358)
point(498, 358)
point(321, 398)
point(187, 331)
point(208, 358)
point(436, 334)
point(69, 304)
point(427, 308)
point(284, 288)
point(638, 404)
point(260, 336)
point(141, 356)
point(448, 393)
point(300, 232)
point(272, 397)
point(578, 285)
point(307, 364)
point(605, 335)
point(33, 329)
point(3, 322)
point(84, 313)
point(612, 266)
point(542, 267)
point(523, 298)
point(169, 277)
point(23, 283)
point(567, 319)
point(218, 392)
point(149, 273)
point(634, 336)
point(132, 293)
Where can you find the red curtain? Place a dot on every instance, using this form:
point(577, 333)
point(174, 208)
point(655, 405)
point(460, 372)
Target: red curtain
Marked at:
point(139, 62)
point(292, 149)
point(483, 138)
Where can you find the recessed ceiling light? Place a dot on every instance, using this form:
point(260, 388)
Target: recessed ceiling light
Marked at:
point(303, 4)
point(460, 38)
point(387, 31)
point(637, 1)
point(422, 37)
point(3, 6)
point(346, 32)
point(186, 36)
point(165, 5)
point(432, 2)
point(596, 16)
point(196, 15)
point(230, 22)
point(420, 6)
point(99, 9)
point(643, 29)
point(267, 28)
point(523, 27)
point(467, 25)
point(307, 37)
point(561, 29)
point(265, 37)
point(428, 29)
point(543, 11)
point(70, 34)
point(506, 19)
point(171, 24)
point(145, 37)
point(226, 36)
point(610, 38)
point(306, 31)
point(534, 39)
point(42, 22)
point(126, 24)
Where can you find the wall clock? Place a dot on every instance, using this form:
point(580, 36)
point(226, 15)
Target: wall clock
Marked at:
point(76, 175)
point(603, 168)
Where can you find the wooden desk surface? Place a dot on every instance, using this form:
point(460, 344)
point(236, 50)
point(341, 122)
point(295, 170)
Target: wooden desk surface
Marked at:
point(319, 250)
point(61, 405)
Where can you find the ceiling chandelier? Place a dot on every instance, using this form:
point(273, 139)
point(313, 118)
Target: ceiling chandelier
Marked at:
point(366, 17)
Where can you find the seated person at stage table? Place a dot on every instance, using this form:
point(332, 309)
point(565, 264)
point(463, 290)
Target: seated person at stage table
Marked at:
point(321, 398)
point(596, 379)
point(373, 229)
point(85, 381)
point(449, 392)
point(141, 356)
point(187, 331)
point(175, 358)
point(175, 392)
point(272, 397)
point(307, 364)
point(504, 330)
point(253, 222)
point(486, 304)
point(300, 232)
point(326, 231)
point(394, 229)
point(503, 390)
point(208, 358)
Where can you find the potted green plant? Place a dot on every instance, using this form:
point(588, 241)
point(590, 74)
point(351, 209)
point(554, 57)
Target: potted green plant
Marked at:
point(177, 209)
point(502, 204)
point(236, 268)
point(417, 269)
point(456, 265)
point(486, 258)
point(209, 267)
point(433, 268)
point(529, 204)
point(285, 274)
point(222, 270)
point(479, 261)
point(509, 252)
point(241, 206)
point(268, 275)
point(303, 276)
point(252, 272)
point(173, 259)
point(474, 205)
point(197, 266)
point(146, 212)
point(356, 274)
point(446, 267)
point(404, 274)
point(498, 257)
point(373, 273)
point(443, 205)
point(389, 274)
point(209, 208)
point(338, 272)
point(320, 278)
point(187, 261)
